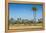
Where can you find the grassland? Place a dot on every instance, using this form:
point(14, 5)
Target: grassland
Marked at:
point(27, 27)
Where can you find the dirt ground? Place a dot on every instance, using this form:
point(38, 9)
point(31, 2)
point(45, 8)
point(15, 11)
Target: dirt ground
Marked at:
point(26, 27)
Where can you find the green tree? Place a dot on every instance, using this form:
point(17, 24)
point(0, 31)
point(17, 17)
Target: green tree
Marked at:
point(12, 21)
point(34, 11)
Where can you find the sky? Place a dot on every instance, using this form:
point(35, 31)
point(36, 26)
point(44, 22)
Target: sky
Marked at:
point(24, 11)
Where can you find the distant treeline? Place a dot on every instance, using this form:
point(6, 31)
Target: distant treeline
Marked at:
point(24, 21)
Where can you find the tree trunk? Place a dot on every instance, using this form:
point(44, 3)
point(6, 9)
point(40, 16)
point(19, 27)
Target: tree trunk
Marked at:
point(34, 17)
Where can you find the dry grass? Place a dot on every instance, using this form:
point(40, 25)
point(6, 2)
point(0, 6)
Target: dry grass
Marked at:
point(22, 27)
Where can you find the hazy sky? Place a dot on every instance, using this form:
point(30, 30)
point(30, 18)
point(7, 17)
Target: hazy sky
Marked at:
point(24, 11)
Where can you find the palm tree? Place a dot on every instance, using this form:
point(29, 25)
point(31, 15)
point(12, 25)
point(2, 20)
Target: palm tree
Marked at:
point(34, 10)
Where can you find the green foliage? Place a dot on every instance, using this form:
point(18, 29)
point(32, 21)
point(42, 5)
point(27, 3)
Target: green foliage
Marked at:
point(34, 8)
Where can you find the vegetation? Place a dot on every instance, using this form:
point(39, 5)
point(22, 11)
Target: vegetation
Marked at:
point(34, 10)
point(24, 21)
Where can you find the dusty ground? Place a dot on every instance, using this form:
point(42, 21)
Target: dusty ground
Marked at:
point(22, 27)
